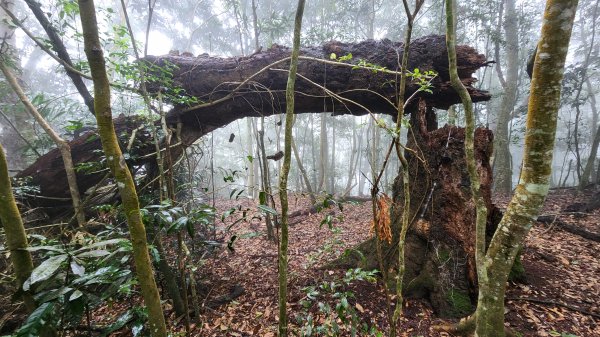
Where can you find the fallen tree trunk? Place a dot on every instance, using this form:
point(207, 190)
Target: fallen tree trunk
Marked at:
point(216, 82)
point(553, 220)
point(591, 205)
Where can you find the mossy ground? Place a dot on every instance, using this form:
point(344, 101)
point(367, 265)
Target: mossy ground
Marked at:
point(460, 303)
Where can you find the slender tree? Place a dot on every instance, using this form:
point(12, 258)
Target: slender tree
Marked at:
point(285, 170)
point(503, 159)
point(480, 208)
point(63, 145)
point(16, 239)
point(534, 182)
point(401, 104)
point(61, 51)
point(119, 169)
point(586, 174)
point(304, 175)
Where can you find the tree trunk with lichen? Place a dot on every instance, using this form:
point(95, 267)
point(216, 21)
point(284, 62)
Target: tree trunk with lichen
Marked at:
point(16, 239)
point(118, 167)
point(285, 170)
point(534, 183)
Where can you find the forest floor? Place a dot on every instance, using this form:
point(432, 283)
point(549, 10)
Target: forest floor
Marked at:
point(560, 296)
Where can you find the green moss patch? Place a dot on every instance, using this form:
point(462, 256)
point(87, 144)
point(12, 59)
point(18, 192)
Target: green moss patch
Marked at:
point(460, 303)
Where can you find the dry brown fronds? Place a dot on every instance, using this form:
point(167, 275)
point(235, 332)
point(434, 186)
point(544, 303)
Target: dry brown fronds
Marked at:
point(383, 229)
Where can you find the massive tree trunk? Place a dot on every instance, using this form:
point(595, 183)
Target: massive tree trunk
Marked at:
point(440, 243)
point(210, 79)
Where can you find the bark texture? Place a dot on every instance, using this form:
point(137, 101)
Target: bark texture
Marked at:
point(116, 163)
point(212, 78)
point(440, 241)
point(16, 239)
point(285, 171)
point(534, 182)
point(503, 158)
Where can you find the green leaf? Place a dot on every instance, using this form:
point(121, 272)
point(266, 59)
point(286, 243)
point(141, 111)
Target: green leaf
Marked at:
point(46, 269)
point(100, 244)
point(119, 323)
point(53, 294)
point(48, 248)
point(75, 295)
point(333, 56)
point(93, 253)
point(38, 319)
point(267, 209)
point(77, 269)
point(178, 224)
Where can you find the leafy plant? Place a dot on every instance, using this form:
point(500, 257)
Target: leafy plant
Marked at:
point(339, 318)
point(75, 277)
point(328, 248)
point(172, 219)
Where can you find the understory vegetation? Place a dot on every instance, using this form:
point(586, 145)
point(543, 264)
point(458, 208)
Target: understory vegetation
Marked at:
point(409, 168)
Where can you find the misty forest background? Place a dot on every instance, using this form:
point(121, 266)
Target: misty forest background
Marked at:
point(213, 210)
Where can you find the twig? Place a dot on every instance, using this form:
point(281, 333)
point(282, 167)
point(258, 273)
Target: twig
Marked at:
point(19, 133)
point(564, 305)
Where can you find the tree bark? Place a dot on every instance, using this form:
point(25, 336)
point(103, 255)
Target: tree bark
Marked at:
point(481, 211)
point(62, 52)
point(16, 239)
point(116, 163)
point(62, 144)
point(589, 166)
point(210, 79)
point(309, 189)
point(323, 157)
point(502, 157)
point(524, 207)
point(285, 170)
point(250, 162)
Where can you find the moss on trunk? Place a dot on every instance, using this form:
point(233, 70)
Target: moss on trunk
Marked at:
point(544, 102)
point(16, 239)
point(119, 169)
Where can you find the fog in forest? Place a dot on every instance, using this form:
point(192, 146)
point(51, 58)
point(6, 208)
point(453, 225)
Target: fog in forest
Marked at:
point(224, 160)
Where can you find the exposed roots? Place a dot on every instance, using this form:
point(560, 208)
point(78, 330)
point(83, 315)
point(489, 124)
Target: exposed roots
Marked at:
point(464, 327)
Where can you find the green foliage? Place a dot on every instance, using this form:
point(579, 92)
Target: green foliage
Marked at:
point(173, 219)
point(375, 68)
point(325, 202)
point(41, 318)
point(74, 278)
point(339, 318)
point(330, 247)
point(344, 58)
point(460, 303)
point(423, 79)
point(134, 317)
point(23, 186)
